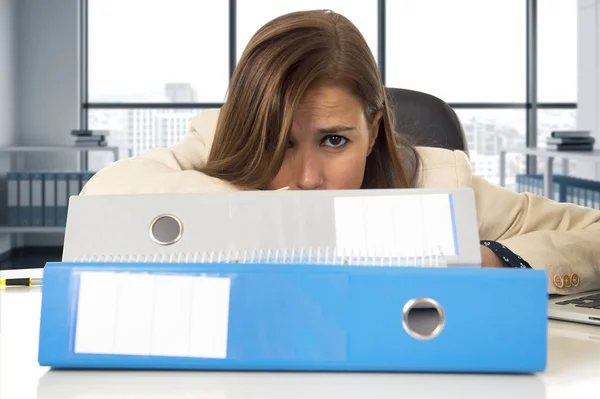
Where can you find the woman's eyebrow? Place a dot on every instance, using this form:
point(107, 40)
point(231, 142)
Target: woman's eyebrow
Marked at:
point(334, 129)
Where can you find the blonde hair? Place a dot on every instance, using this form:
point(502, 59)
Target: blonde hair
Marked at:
point(282, 60)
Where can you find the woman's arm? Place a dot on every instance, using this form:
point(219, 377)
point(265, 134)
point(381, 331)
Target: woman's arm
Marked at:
point(562, 239)
point(173, 169)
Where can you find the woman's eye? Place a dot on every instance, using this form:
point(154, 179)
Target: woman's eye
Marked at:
point(335, 141)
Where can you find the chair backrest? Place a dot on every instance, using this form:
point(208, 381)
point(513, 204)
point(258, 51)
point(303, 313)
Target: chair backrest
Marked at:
point(426, 120)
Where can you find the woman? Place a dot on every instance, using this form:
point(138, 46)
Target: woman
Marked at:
point(307, 110)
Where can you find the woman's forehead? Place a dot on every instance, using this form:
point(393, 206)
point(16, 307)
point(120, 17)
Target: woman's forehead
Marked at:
point(327, 97)
point(325, 104)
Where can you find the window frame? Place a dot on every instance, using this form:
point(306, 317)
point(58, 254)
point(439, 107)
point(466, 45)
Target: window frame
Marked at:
point(531, 104)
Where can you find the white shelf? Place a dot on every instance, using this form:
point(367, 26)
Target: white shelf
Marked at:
point(31, 229)
point(56, 148)
point(591, 156)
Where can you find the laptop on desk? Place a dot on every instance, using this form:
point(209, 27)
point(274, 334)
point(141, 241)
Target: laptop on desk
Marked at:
point(580, 308)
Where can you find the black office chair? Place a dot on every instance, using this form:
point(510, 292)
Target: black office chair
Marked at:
point(426, 120)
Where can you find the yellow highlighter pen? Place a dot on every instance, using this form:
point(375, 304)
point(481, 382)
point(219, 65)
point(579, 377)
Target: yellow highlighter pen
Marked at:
point(22, 282)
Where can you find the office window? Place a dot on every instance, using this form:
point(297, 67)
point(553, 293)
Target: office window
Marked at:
point(488, 131)
point(252, 14)
point(158, 51)
point(557, 50)
point(470, 53)
point(138, 129)
point(460, 50)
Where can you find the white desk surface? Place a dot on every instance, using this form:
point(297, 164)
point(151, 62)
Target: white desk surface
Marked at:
point(573, 372)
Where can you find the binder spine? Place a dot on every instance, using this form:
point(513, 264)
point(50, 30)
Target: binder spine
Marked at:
point(312, 256)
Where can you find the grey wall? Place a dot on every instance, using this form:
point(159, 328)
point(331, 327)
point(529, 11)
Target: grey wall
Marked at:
point(7, 96)
point(7, 71)
point(588, 81)
point(47, 101)
point(47, 81)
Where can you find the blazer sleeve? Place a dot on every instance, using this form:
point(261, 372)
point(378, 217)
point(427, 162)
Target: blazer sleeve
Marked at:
point(164, 170)
point(562, 239)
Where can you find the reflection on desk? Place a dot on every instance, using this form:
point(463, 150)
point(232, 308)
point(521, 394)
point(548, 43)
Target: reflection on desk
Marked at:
point(574, 331)
point(219, 385)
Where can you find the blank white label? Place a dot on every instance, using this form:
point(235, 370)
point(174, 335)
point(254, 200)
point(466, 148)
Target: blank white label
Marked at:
point(96, 313)
point(134, 313)
point(172, 316)
point(395, 226)
point(150, 314)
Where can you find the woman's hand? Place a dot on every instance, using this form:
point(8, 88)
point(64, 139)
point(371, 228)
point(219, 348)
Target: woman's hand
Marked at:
point(489, 258)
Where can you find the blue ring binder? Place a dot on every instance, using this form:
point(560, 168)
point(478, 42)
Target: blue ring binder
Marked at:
point(290, 317)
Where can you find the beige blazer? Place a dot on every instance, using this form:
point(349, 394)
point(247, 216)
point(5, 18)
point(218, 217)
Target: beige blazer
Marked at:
point(562, 239)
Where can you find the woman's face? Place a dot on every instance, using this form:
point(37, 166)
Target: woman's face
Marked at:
point(329, 144)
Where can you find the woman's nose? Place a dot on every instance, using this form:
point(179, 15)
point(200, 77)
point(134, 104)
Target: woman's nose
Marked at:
point(309, 175)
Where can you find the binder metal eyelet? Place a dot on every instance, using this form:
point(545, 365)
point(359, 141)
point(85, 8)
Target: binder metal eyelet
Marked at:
point(166, 229)
point(423, 318)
